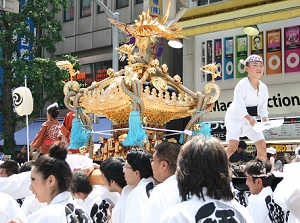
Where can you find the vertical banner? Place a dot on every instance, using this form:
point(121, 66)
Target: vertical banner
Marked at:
point(209, 55)
point(273, 62)
point(241, 53)
point(218, 56)
point(257, 46)
point(24, 46)
point(228, 58)
point(291, 49)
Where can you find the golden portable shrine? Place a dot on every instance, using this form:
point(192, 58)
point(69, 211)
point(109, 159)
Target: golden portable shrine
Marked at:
point(141, 97)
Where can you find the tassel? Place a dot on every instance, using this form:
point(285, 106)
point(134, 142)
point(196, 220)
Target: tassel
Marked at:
point(181, 138)
point(79, 134)
point(160, 49)
point(204, 130)
point(136, 134)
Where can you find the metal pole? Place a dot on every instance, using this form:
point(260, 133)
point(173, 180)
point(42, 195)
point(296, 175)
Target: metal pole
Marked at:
point(27, 127)
point(115, 33)
point(115, 43)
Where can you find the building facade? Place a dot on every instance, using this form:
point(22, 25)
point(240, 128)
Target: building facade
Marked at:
point(214, 34)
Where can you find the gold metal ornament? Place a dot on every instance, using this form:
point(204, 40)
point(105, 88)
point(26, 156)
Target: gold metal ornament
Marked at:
point(143, 84)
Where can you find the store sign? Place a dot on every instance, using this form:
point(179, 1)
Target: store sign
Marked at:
point(284, 100)
point(101, 74)
point(289, 130)
point(156, 8)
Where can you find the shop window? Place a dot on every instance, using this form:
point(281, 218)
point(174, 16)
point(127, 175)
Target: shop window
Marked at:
point(69, 12)
point(85, 77)
point(99, 9)
point(122, 3)
point(93, 72)
point(206, 2)
point(139, 1)
point(101, 69)
point(85, 8)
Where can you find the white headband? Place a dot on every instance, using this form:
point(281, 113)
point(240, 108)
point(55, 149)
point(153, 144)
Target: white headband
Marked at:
point(262, 174)
point(52, 105)
point(252, 58)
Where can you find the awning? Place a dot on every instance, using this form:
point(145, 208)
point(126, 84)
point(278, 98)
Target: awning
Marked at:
point(21, 135)
point(104, 124)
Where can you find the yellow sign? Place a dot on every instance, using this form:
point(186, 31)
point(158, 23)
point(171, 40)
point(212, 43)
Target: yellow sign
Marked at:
point(156, 8)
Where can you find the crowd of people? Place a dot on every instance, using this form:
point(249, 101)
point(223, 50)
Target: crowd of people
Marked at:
point(188, 183)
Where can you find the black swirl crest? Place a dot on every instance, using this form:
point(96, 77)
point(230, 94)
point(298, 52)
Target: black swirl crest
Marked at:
point(17, 100)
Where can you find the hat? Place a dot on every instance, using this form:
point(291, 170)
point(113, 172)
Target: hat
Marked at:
point(252, 58)
point(271, 150)
point(243, 144)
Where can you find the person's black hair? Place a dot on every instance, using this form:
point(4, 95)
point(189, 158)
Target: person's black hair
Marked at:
point(242, 144)
point(258, 167)
point(112, 169)
point(139, 159)
point(53, 111)
point(81, 183)
point(1, 149)
point(26, 166)
point(203, 163)
point(168, 151)
point(10, 166)
point(56, 165)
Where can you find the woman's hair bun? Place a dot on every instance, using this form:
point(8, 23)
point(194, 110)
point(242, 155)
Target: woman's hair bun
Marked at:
point(59, 150)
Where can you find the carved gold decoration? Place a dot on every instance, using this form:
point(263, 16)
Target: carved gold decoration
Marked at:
point(143, 85)
point(211, 69)
point(66, 65)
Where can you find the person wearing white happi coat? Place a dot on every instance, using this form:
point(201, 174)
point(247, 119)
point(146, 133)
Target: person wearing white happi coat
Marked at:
point(166, 193)
point(10, 209)
point(55, 211)
point(138, 173)
point(204, 185)
point(137, 201)
point(119, 210)
point(250, 100)
point(287, 192)
point(261, 204)
point(31, 204)
point(163, 196)
point(196, 209)
point(88, 197)
point(17, 185)
point(113, 177)
point(51, 177)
